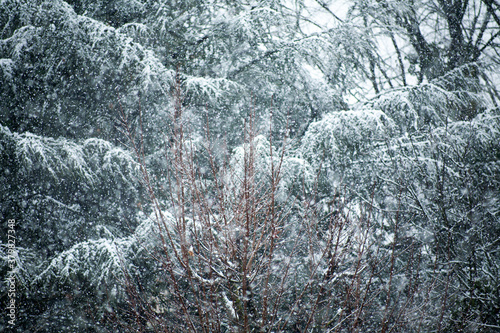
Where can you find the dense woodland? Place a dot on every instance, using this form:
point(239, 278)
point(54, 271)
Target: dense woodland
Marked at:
point(251, 166)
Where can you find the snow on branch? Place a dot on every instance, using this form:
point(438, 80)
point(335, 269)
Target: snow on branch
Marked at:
point(6, 68)
point(100, 261)
point(457, 95)
point(105, 39)
point(339, 132)
point(57, 156)
point(97, 44)
point(21, 40)
point(291, 168)
point(62, 157)
point(111, 159)
point(212, 88)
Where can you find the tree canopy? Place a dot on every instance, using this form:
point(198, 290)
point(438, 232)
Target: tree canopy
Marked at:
point(250, 166)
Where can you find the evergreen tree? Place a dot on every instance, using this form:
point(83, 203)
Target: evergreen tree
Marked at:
point(251, 165)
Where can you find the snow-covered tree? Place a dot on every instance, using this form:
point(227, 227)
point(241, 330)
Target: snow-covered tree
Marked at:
point(251, 166)
point(69, 75)
point(62, 193)
point(432, 190)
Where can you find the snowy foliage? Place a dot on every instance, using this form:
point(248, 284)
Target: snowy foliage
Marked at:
point(55, 156)
point(64, 158)
point(106, 265)
point(6, 67)
point(290, 171)
point(341, 139)
point(100, 63)
point(111, 257)
point(195, 165)
point(433, 104)
point(49, 167)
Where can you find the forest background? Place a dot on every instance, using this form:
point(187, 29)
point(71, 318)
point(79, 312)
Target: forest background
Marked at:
point(250, 166)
